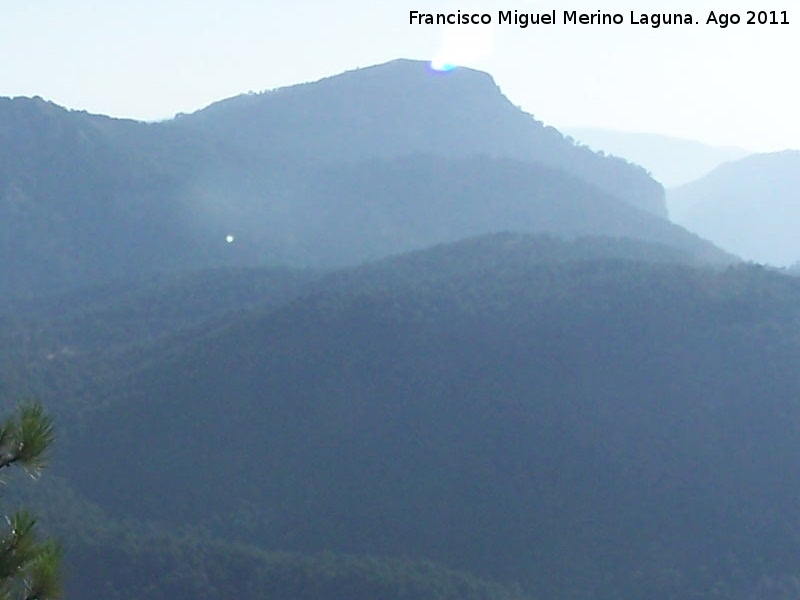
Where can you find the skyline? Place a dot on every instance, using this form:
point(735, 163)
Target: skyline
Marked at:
point(725, 87)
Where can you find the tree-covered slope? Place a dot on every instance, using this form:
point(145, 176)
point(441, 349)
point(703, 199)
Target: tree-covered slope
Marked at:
point(355, 167)
point(163, 567)
point(85, 198)
point(671, 161)
point(401, 108)
point(132, 559)
point(63, 347)
point(589, 428)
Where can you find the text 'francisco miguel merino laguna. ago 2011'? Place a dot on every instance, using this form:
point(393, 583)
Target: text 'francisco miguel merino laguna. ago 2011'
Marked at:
point(573, 17)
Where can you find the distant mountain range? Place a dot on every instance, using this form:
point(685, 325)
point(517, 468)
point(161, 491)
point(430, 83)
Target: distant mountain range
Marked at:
point(354, 167)
point(750, 207)
point(672, 161)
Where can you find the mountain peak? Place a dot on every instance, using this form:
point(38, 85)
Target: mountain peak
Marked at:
point(404, 71)
point(404, 85)
point(405, 107)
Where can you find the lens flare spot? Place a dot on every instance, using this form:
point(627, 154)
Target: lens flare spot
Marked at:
point(438, 64)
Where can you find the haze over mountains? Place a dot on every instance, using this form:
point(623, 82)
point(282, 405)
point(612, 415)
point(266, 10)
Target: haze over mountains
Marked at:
point(672, 161)
point(745, 203)
point(390, 158)
point(387, 336)
point(750, 207)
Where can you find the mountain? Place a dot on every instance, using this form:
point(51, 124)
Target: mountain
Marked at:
point(672, 161)
point(556, 414)
point(403, 107)
point(85, 197)
point(351, 168)
point(70, 347)
point(64, 345)
point(750, 207)
point(335, 216)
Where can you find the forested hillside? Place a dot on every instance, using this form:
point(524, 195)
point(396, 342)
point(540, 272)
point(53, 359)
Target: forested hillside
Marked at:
point(359, 166)
point(403, 108)
point(671, 161)
point(572, 417)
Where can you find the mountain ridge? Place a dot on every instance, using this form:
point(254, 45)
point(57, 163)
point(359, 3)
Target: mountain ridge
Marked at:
point(85, 197)
point(671, 160)
point(406, 91)
point(750, 207)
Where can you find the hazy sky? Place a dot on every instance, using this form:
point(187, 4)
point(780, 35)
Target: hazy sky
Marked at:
point(150, 59)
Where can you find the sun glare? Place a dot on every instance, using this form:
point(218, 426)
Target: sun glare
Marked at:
point(438, 64)
point(463, 46)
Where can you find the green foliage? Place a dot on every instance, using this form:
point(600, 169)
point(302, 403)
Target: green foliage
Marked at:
point(25, 438)
point(29, 567)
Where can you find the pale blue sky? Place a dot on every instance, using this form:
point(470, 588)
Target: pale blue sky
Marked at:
point(150, 59)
